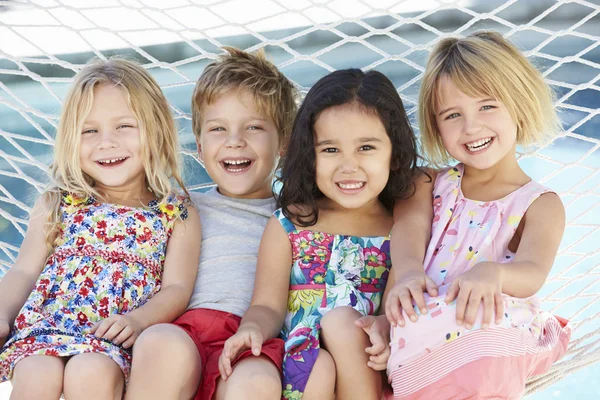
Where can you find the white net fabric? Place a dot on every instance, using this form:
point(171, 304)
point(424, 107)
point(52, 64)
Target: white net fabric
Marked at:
point(43, 43)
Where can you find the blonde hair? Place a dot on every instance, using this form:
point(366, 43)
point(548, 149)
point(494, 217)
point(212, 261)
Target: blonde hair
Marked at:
point(484, 63)
point(158, 134)
point(275, 96)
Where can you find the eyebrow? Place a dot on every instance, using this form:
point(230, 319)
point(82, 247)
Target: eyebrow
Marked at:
point(480, 101)
point(225, 119)
point(360, 140)
point(120, 117)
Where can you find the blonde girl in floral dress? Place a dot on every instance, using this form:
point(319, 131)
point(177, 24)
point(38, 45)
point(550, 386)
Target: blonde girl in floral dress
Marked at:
point(94, 268)
point(471, 326)
point(324, 258)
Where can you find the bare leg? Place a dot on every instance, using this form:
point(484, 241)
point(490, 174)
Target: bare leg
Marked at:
point(166, 365)
point(92, 376)
point(252, 378)
point(321, 382)
point(38, 378)
point(347, 343)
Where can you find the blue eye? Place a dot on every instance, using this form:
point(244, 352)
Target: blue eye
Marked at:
point(217, 129)
point(255, 127)
point(89, 131)
point(453, 115)
point(487, 107)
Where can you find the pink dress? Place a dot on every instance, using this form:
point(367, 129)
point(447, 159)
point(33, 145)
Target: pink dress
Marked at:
point(434, 358)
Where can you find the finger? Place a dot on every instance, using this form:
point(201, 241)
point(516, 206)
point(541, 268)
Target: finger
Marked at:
point(472, 308)
point(222, 367)
point(431, 287)
point(417, 294)
point(388, 311)
point(256, 343)
point(123, 335)
point(407, 306)
point(114, 330)
point(365, 322)
point(377, 347)
point(396, 313)
point(452, 292)
point(488, 310)
point(461, 305)
point(499, 300)
point(131, 341)
point(381, 358)
point(102, 327)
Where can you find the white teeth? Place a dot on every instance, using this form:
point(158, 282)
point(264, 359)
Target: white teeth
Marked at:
point(351, 185)
point(236, 162)
point(111, 161)
point(479, 144)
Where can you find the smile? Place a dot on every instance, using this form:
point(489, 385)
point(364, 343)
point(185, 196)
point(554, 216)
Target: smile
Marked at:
point(479, 145)
point(111, 161)
point(236, 165)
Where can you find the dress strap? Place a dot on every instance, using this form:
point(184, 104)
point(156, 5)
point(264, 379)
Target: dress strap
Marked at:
point(284, 221)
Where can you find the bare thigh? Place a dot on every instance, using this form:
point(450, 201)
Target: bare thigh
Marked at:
point(38, 377)
point(92, 376)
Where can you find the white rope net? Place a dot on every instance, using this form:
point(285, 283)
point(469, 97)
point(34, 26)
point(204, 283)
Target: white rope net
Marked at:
point(43, 43)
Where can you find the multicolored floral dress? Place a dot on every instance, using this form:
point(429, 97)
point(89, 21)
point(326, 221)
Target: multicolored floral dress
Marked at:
point(436, 358)
point(108, 260)
point(328, 271)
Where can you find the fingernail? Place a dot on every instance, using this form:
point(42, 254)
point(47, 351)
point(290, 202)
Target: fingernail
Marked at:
point(401, 323)
point(468, 326)
point(484, 326)
point(459, 323)
point(423, 311)
point(413, 318)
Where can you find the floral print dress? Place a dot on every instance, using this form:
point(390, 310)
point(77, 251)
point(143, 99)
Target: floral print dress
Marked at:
point(328, 271)
point(108, 260)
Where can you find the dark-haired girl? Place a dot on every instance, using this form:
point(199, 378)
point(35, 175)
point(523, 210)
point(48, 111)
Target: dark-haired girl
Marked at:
point(324, 258)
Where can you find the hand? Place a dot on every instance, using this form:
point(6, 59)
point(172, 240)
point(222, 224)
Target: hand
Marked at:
point(4, 331)
point(406, 290)
point(120, 329)
point(247, 337)
point(378, 330)
point(482, 283)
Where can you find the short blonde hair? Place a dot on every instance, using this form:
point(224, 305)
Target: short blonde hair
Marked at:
point(158, 134)
point(275, 96)
point(484, 63)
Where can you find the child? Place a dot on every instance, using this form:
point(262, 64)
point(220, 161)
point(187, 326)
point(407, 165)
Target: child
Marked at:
point(95, 253)
point(325, 253)
point(242, 112)
point(494, 237)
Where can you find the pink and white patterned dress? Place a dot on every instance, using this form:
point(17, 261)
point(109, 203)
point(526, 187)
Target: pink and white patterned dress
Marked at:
point(436, 358)
point(108, 260)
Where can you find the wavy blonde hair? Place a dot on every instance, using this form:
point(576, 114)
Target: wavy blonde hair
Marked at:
point(486, 64)
point(158, 134)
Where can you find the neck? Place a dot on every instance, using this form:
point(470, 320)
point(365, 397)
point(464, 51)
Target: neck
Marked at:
point(129, 194)
point(506, 169)
point(372, 207)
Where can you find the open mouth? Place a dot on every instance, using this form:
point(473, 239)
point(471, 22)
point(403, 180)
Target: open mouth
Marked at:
point(479, 145)
point(236, 166)
point(112, 162)
point(351, 187)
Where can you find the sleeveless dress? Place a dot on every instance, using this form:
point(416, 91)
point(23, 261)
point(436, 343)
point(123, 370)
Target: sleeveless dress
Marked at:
point(436, 358)
point(328, 271)
point(108, 260)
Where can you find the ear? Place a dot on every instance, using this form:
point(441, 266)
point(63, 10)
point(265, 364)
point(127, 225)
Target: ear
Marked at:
point(199, 147)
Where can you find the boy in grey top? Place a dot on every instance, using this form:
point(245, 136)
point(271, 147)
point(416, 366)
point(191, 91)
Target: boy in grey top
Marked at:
point(243, 109)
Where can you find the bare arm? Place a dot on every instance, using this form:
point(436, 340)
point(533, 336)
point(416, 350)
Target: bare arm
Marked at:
point(410, 237)
point(20, 279)
point(543, 231)
point(269, 299)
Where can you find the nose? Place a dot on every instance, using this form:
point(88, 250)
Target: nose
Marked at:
point(349, 164)
point(108, 139)
point(473, 125)
point(235, 139)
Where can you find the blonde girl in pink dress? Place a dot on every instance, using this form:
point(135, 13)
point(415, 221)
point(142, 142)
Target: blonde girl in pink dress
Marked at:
point(466, 324)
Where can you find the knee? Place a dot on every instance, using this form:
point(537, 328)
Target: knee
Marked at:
point(90, 372)
point(339, 323)
point(37, 380)
point(163, 341)
point(255, 378)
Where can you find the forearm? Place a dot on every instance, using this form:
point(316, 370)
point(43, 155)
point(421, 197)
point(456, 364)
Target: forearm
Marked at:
point(265, 319)
point(168, 304)
point(408, 248)
point(522, 279)
point(15, 288)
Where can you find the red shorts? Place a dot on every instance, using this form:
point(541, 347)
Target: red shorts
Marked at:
point(209, 329)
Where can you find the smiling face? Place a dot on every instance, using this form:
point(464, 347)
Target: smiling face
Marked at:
point(477, 131)
point(353, 153)
point(239, 146)
point(111, 151)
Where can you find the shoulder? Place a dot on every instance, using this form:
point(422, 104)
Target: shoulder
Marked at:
point(547, 204)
